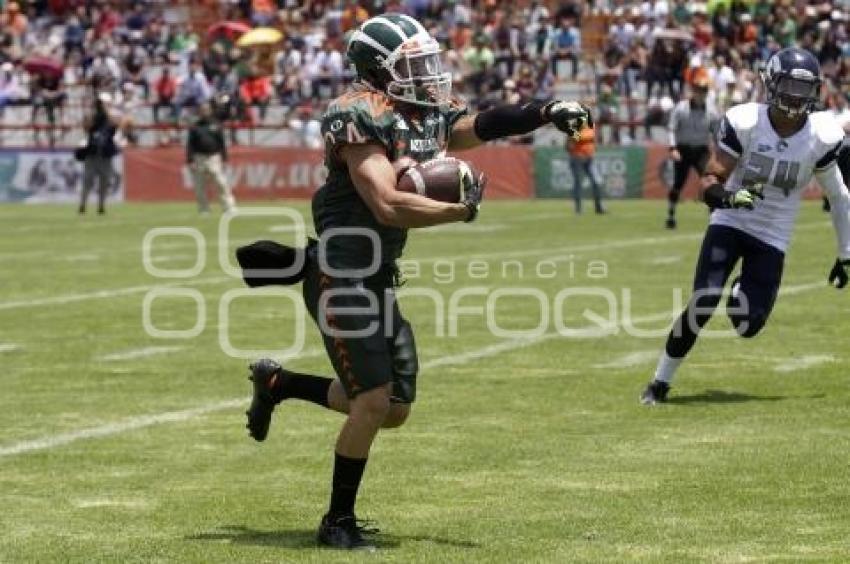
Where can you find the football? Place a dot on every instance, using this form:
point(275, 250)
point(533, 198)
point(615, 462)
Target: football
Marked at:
point(438, 179)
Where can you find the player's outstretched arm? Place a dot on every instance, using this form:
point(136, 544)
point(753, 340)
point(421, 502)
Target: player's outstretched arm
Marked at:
point(375, 180)
point(839, 199)
point(519, 119)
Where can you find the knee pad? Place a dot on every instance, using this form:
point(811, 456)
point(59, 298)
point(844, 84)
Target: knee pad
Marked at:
point(405, 365)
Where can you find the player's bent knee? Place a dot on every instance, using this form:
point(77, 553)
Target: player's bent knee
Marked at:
point(397, 415)
point(374, 403)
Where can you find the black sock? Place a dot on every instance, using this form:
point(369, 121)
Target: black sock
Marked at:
point(347, 475)
point(303, 386)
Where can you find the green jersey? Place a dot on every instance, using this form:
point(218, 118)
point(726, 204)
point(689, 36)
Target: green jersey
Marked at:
point(364, 115)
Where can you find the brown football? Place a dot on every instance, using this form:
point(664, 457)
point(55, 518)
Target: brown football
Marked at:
point(438, 179)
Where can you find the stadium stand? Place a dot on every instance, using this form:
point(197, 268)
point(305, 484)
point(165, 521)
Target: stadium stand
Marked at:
point(630, 60)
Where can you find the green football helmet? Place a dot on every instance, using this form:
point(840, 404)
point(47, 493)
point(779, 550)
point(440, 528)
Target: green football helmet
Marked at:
point(395, 54)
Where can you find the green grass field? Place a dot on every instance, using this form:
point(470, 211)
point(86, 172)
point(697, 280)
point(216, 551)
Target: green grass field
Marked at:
point(116, 446)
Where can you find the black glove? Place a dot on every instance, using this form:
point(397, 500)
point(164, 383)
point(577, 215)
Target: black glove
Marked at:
point(569, 117)
point(472, 191)
point(838, 276)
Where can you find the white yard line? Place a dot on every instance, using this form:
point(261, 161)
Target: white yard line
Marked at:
point(118, 292)
point(562, 252)
point(484, 352)
point(172, 258)
point(671, 259)
point(82, 257)
point(214, 243)
point(453, 228)
point(550, 251)
point(105, 294)
point(799, 288)
point(143, 352)
point(804, 362)
point(123, 426)
point(9, 347)
point(630, 360)
point(139, 422)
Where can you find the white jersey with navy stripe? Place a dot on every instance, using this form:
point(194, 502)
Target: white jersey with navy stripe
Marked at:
point(784, 165)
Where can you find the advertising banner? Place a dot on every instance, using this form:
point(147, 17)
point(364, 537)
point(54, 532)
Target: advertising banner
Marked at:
point(268, 173)
point(255, 173)
point(48, 176)
point(508, 169)
point(620, 171)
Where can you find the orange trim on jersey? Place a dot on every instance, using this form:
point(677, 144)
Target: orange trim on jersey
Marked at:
point(340, 348)
point(377, 102)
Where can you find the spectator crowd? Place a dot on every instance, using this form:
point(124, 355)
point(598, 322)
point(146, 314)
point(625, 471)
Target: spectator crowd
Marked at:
point(632, 60)
point(655, 49)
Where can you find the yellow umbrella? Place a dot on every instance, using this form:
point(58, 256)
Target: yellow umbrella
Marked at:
point(260, 36)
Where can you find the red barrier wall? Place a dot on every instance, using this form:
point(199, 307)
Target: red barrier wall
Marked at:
point(269, 173)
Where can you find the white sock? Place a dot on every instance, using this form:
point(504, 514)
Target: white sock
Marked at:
point(667, 366)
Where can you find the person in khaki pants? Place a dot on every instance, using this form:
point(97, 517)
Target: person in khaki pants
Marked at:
point(205, 154)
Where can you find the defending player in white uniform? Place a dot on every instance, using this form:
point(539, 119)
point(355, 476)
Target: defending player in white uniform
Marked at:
point(766, 155)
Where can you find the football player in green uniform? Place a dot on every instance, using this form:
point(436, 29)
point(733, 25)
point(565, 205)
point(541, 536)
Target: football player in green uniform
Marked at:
point(399, 109)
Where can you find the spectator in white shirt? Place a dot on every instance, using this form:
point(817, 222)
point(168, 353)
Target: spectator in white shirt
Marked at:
point(722, 77)
point(655, 9)
point(103, 73)
point(194, 89)
point(288, 69)
point(10, 88)
point(621, 31)
point(326, 70)
point(456, 12)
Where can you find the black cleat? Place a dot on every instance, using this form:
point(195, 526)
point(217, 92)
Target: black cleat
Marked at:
point(655, 392)
point(265, 374)
point(670, 223)
point(345, 532)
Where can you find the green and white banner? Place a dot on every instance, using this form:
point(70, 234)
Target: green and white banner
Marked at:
point(620, 171)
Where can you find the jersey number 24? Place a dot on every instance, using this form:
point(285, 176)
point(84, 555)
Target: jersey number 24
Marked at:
point(760, 167)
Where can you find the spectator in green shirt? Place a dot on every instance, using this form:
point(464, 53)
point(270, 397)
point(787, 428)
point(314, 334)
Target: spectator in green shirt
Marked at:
point(785, 28)
point(480, 59)
point(762, 9)
point(682, 13)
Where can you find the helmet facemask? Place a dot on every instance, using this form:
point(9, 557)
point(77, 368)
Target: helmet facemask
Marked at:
point(416, 72)
point(793, 95)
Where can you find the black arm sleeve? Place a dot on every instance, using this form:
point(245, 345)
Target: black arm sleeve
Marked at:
point(509, 119)
point(829, 157)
